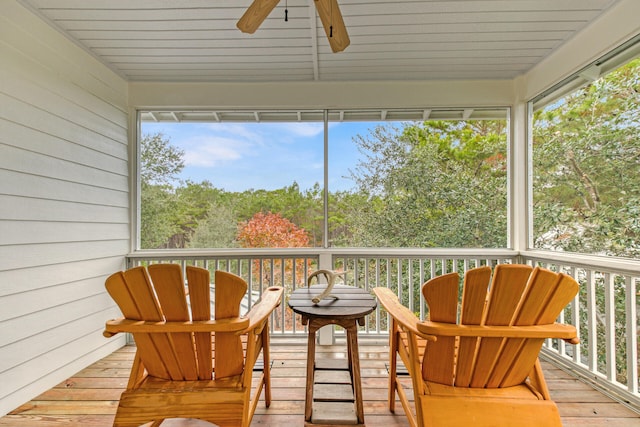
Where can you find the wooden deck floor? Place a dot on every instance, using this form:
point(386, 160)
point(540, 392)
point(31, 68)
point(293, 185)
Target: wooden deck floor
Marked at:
point(90, 397)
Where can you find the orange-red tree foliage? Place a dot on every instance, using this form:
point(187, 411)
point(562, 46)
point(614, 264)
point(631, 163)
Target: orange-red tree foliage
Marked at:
point(271, 230)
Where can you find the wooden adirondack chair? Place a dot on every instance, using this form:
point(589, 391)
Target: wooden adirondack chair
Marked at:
point(188, 365)
point(479, 366)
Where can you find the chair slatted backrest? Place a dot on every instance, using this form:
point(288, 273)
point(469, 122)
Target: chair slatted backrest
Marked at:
point(475, 289)
point(200, 299)
point(168, 283)
point(165, 355)
point(516, 295)
point(230, 289)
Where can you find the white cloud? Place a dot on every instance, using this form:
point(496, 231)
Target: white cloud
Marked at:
point(212, 151)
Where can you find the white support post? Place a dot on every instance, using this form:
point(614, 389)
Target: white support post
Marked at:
point(519, 185)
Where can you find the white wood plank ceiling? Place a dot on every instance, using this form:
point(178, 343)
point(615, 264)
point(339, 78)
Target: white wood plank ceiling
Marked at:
point(197, 40)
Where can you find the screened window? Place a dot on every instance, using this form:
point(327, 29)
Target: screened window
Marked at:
point(365, 178)
point(586, 158)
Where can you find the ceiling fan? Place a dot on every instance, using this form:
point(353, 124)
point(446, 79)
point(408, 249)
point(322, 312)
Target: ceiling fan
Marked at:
point(328, 11)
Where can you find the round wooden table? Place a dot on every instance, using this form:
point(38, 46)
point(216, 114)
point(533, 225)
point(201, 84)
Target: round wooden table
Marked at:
point(348, 310)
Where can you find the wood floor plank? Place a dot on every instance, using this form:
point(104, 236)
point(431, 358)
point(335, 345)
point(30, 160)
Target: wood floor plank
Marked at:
point(57, 420)
point(89, 382)
point(600, 421)
point(79, 394)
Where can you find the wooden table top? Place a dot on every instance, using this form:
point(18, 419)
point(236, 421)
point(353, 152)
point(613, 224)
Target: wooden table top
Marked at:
point(352, 302)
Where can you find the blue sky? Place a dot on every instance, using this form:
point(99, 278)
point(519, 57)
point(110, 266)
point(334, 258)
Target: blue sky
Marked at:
point(242, 156)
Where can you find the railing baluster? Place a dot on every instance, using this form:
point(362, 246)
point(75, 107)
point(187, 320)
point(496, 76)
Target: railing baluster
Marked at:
point(631, 307)
point(420, 297)
point(575, 319)
point(610, 326)
point(592, 333)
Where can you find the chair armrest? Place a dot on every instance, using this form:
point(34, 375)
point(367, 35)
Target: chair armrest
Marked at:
point(271, 298)
point(405, 317)
point(553, 330)
point(116, 326)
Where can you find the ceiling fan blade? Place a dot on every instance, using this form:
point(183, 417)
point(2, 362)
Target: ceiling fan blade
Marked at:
point(255, 15)
point(333, 24)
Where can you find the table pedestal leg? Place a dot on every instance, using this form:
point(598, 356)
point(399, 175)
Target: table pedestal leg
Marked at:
point(354, 367)
point(311, 361)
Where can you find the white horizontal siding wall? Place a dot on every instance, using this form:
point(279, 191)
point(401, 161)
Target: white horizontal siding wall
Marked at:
point(64, 204)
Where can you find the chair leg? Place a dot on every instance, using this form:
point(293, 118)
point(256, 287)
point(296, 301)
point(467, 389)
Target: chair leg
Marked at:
point(266, 357)
point(393, 368)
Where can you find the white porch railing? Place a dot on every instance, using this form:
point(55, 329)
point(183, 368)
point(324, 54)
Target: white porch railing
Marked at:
point(604, 312)
point(403, 270)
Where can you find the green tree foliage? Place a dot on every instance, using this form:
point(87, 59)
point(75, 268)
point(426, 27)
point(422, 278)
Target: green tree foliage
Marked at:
point(198, 204)
point(160, 164)
point(586, 156)
point(206, 217)
point(215, 230)
point(344, 206)
point(156, 224)
point(432, 184)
